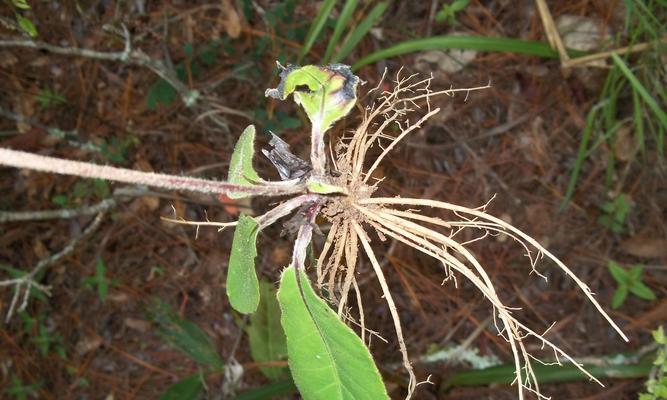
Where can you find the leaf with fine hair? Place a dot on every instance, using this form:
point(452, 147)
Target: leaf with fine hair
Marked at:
point(265, 334)
point(242, 283)
point(327, 359)
point(327, 94)
point(241, 171)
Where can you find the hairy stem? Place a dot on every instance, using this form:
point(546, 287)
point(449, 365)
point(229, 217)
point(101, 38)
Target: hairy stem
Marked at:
point(20, 159)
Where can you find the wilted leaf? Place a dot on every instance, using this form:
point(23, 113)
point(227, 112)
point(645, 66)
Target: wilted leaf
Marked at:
point(189, 388)
point(325, 93)
point(241, 171)
point(265, 334)
point(232, 19)
point(644, 247)
point(625, 144)
point(242, 283)
point(185, 336)
point(327, 359)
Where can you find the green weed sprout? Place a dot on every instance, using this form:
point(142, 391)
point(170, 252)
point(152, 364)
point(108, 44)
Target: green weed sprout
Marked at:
point(327, 359)
point(656, 386)
point(629, 281)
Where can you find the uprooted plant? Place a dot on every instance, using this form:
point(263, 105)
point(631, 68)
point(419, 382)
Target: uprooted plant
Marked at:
point(328, 360)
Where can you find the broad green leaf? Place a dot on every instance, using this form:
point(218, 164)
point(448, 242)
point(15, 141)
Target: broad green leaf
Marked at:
point(327, 359)
point(185, 336)
point(327, 94)
point(241, 171)
point(242, 283)
point(619, 274)
point(619, 296)
point(639, 289)
point(268, 392)
point(265, 334)
point(189, 388)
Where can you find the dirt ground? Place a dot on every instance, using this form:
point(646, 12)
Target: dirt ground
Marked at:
point(517, 140)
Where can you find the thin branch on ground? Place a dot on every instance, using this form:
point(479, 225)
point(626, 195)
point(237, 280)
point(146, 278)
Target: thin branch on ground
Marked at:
point(26, 282)
point(128, 56)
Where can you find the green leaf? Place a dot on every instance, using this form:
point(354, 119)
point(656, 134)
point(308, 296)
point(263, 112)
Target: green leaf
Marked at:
point(619, 274)
point(619, 296)
point(360, 31)
point(316, 26)
point(639, 289)
point(635, 273)
point(241, 171)
point(265, 334)
point(22, 4)
point(325, 93)
point(189, 388)
point(316, 186)
point(185, 336)
point(659, 335)
point(27, 25)
point(242, 283)
point(459, 5)
point(268, 392)
point(161, 92)
point(327, 359)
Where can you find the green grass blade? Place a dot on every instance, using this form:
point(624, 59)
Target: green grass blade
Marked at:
point(638, 121)
point(316, 27)
point(189, 388)
point(581, 154)
point(547, 374)
point(327, 359)
point(343, 18)
point(360, 31)
point(268, 392)
point(185, 336)
point(643, 93)
point(503, 45)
